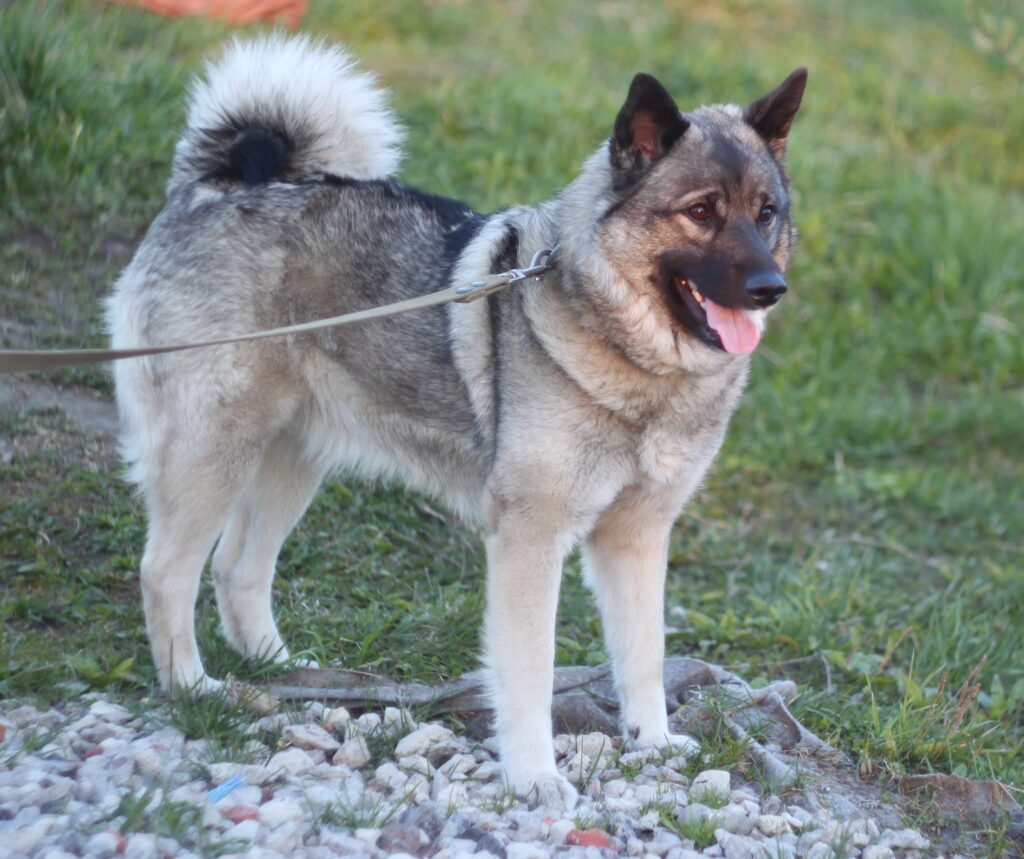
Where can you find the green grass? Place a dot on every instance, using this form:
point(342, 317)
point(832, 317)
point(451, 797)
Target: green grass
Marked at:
point(861, 530)
point(700, 830)
point(152, 811)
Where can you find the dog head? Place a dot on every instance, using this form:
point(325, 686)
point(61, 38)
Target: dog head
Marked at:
point(697, 218)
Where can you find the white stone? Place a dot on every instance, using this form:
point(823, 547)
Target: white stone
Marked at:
point(639, 757)
point(397, 721)
point(149, 762)
point(734, 819)
point(108, 712)
point(622, 805)
point(336, 720)
point(102, 843)
point(291, 761)
point(803, 816)
point(595, 745)
point(459, 764)
point(649, 821)
point(368, 723)
point(368, 835)
point(353, 753)
point(488, 770)
point(577, 766)
point(247, 830)
point(615, 787)
point(341, 842)
point(773, 824)
point(141, 845)
point(283, 841)
point(310, 737)
point(904, 839)
point(877, 851)
point(417, 764)
point(212, 815)
point(451, 796)
point(524, 850)
point(434, 742)
point(663, 841)
point(170, 847)
point(390, 776)
point(274, 812)
point(315, 711)
point(247, 794)
point(253, 774)
point(645, 793)
point(320, 795)
point(273, 724)
point(713, 783)
point(671, 774)
point(26, 837)
point(559, 830)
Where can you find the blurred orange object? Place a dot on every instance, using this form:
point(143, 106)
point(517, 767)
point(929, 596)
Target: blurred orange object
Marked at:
point(287, 12)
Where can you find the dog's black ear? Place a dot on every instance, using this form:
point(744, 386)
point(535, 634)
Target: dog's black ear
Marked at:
point(772, 115)
point(645, 129)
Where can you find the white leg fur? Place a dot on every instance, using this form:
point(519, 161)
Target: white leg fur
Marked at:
point(524, 566)
point(243, 565)
point(181, 535)
point(625, 560)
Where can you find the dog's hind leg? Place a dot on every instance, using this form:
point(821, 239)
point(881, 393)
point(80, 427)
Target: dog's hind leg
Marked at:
point(189, 499)
point(244, 562)
point(624, 562)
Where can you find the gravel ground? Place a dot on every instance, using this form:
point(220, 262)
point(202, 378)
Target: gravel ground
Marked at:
point(95, 779)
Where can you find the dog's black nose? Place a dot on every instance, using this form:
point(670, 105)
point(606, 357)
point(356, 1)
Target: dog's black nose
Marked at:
point(765, 287)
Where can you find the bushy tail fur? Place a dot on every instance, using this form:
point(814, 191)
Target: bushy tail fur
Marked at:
point(285, 108)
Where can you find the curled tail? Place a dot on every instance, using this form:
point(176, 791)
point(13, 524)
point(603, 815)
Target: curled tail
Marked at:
point(285, 108)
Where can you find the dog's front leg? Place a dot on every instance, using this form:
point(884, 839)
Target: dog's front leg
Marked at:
point(524, 566)
point(624, 561)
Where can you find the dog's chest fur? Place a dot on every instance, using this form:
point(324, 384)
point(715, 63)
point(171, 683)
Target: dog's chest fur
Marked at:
point(673, 424)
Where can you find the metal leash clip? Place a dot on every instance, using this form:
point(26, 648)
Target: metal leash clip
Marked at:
point(541, 263)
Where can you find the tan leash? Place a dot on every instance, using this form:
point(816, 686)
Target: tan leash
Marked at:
point(24, 361)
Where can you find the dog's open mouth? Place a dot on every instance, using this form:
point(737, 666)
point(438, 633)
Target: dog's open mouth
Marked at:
point(733, 330)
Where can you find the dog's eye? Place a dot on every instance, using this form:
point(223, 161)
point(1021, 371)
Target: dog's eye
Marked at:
point(766, 215)
point(700, 212)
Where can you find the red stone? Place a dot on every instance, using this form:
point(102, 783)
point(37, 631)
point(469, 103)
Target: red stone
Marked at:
point(589, 838)
point(238, 813)
point(122, 842)
point(95, 750)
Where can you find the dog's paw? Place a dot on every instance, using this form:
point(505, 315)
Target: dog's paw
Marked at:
point(303, 662)
point(204, 684)
point(678, 744)
point(549, 790)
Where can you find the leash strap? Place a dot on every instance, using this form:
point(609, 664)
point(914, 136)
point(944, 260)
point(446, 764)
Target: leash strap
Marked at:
point(24, 361)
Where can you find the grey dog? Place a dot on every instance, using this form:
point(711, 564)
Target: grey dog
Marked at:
point(581, 410)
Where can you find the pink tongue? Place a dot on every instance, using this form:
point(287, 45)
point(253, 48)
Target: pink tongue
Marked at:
point(735, 328)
